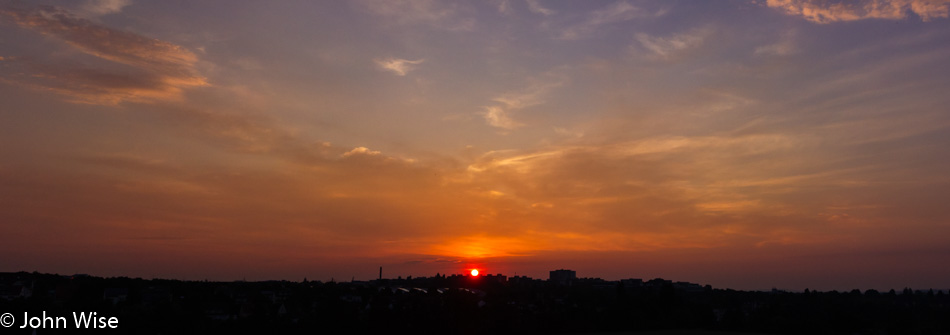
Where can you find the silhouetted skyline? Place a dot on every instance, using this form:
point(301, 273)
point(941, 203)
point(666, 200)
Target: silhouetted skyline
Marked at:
point(465, 304)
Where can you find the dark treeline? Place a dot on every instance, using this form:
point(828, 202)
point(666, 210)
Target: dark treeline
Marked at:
point(464, 305)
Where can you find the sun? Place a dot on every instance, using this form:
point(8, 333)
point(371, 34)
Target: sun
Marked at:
point(474, 272)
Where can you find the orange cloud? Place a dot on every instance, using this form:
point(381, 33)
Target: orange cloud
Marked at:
point(834, 11)
point(143, 69)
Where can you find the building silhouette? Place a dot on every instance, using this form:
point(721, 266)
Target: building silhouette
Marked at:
point(562, 276)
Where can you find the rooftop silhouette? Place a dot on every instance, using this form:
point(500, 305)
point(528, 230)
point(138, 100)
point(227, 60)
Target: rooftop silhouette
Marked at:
point(462, 303)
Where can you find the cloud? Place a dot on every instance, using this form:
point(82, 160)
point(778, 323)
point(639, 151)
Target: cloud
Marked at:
point(497, 117)
point(673, 46)
point(426, 12)
point(617, 12)
point(504, 7)
point(361, 151)
point(142, 69)
point(106, 43)
point(253, 134)
point(103, 7)
point(220, 206)
point(532, 95)
point(400, 67)
point(784, 47)
point(843, 11)
point(718, 186)
point(535, 7)
point(89, 85)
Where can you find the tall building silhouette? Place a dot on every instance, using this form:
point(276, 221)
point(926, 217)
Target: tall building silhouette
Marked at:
point(562, 277)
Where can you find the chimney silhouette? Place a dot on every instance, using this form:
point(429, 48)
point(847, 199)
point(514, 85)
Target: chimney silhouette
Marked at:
point(380, 272)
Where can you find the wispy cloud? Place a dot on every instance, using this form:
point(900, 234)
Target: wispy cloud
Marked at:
point(504, 6)
point(785, 46)
point(427, 12)
point(88, 85)
point(834, 11)
point(361, 151)
point(106, 43)
point(673, 46)
point(534, 94)
point(535, 7)
point(497, 117)
point(104, 7)
point(244, 133)
point(153, 69)
point(400, 67)
point(616, 12)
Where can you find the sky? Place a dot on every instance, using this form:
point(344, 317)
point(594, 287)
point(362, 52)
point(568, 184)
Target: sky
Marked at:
point(742, 144)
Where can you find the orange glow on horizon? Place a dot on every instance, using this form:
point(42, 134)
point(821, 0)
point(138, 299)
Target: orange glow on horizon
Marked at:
point(482, 246)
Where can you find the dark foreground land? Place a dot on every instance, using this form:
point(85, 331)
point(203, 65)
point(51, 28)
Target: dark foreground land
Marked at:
point(463, 305)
